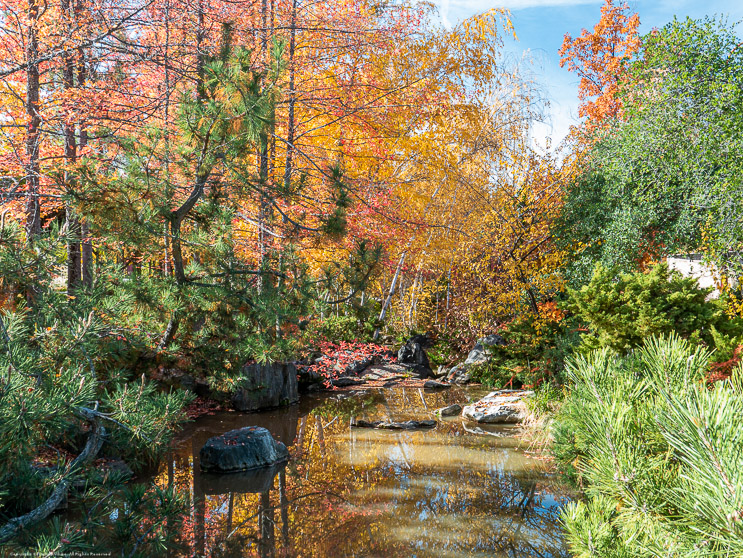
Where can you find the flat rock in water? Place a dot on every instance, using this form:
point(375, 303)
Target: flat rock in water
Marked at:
point(387, 425)
point(346, 382)
point(242, 449)
point(358, 423)
point(505, 406)
point(433, 384)
point(450, 411)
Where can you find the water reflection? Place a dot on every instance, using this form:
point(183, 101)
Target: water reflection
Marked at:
point(450, 491)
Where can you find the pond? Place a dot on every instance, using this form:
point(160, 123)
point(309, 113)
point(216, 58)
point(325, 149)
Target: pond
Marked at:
point(455, 490)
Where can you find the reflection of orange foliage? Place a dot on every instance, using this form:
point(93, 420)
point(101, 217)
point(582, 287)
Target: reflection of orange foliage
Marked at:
point(358, 492)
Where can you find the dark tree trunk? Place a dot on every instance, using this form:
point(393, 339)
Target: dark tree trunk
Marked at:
point(87, 243)
point(167, 267)
point(33, 202)
point(74, 256)
point(292, 99)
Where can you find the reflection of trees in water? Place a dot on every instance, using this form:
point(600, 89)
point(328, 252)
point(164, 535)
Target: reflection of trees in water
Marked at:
point(348, 494)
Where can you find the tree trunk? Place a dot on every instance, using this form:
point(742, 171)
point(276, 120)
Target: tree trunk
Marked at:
point(177, 216)
point(200, 58)
point(387, 301)
point(167, 267)
point(87, 243)
point(413, 290)
point(33, 202)
point(74, 255)
point(263, 159)
point(175, 235)
point(91, 449)
point(292, 98)
point(448, 299)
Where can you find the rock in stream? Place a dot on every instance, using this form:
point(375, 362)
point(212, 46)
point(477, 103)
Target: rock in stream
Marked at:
point(242, 449)
point(387, 425)
point(505, 406)
point(450, 411)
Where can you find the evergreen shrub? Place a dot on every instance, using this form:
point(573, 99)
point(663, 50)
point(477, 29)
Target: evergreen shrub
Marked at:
point(66, 401)
point(534, 352)
point(659, 454)
point(622, 310)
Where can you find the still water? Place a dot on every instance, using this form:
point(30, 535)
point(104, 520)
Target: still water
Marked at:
point(455, 490)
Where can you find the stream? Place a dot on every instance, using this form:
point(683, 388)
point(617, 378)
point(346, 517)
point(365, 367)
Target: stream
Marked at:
point(455, 490)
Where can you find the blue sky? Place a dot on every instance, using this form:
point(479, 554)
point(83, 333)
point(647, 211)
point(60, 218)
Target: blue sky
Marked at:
point(541, 25)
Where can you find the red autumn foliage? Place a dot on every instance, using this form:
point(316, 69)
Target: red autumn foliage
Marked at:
point(720, 371)
point(338, 357)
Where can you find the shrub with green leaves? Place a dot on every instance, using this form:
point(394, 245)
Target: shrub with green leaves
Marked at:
point(357, 325)
point(659, 454)
point(621, 310)
point(534, 352)
point(335, 328)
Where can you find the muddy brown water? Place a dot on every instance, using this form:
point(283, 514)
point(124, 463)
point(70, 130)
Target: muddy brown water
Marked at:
point(456, 490)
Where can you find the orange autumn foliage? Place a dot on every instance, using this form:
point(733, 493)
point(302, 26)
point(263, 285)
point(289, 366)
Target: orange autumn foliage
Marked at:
point(599, 58)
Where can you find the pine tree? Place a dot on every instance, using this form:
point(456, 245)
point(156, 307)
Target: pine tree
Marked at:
point(63, 395)
point(659, 454)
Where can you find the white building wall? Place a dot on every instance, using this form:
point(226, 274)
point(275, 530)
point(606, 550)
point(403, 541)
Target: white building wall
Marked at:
point(693, 266)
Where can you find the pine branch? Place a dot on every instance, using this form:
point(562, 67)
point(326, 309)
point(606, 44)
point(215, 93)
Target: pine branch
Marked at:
point(91, 449)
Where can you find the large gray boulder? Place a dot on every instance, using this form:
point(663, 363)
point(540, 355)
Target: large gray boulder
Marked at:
point(479, 353)
point(505, 406)
point(242, 449)
point(459, 374)
point(265, 386)
point(412, 353)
